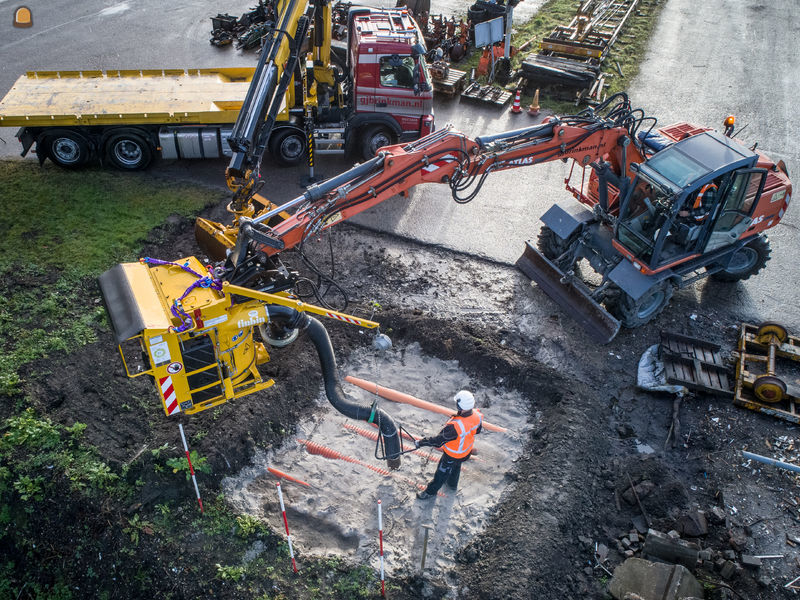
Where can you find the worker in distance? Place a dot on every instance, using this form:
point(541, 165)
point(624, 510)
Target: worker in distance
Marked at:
point(456, 440)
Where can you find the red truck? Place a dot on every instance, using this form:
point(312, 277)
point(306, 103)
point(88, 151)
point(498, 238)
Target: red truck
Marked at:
point(379, 94)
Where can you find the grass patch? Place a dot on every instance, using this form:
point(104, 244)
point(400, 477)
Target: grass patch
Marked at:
point(58, 231)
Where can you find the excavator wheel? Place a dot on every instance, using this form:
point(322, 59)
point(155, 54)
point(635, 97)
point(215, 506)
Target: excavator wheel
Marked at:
point(769, 329)
point(746, 261)
point(553, 246)
point(635, 313)
point(769, 388)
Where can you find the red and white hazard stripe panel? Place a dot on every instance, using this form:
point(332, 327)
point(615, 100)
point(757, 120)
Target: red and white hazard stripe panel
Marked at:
point(447, 158)
point(170, 398)
point(350, 320)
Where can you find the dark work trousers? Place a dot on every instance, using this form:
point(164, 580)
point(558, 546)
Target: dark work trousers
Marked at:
point(449, 470)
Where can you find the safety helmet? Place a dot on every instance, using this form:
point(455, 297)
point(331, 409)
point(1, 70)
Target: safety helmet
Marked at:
point(464, 400)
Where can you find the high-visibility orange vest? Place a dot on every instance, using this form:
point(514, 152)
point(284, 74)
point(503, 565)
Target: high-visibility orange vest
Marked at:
point(698, 201)
point(465, 428)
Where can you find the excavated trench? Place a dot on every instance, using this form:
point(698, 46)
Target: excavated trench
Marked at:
point(338, 512)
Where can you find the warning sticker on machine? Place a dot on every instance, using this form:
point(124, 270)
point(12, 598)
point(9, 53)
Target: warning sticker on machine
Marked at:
point(215, 321)
point(159, 352)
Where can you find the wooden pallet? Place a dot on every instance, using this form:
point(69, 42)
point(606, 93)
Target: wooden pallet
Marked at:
point(490, 94)
point(453, 84)
point(695, 364)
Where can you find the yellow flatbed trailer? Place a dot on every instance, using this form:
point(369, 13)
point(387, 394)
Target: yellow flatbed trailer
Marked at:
point(126, 115)
point(48, 98)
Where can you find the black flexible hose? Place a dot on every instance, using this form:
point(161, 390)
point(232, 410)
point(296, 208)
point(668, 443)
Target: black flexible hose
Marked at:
point(333, 390)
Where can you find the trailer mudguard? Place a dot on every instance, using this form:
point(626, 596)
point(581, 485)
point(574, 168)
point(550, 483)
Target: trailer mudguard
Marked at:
point(566, 218)
point(26, 138)
point(634, 283)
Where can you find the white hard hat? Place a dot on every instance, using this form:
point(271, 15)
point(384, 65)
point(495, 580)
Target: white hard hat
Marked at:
point(464, 400)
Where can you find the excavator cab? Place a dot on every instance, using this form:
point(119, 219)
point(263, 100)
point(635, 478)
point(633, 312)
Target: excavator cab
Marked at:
point(693, 197)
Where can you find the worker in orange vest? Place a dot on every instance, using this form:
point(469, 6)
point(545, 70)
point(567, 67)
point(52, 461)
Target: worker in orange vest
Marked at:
point(456, 440)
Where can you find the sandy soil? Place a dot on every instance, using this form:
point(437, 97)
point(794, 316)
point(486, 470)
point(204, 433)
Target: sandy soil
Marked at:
point(338, 513)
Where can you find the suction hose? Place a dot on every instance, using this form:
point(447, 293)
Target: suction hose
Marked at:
point(333, 390)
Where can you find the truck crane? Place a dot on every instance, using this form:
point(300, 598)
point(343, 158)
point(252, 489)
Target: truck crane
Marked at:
point(378, 95)
point(660, 209)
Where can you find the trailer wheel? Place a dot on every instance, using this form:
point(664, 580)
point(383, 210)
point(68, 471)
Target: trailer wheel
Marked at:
point(374, 138)
point(746, 261)
point(635, 313)
point(128, 151)
point(288, 147)
point(68, 149)
point(769, 388)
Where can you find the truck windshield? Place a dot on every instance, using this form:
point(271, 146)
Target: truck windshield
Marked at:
point(647, 211)
point(397, 71)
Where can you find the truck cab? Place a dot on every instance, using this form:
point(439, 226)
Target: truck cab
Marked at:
point(392, 88)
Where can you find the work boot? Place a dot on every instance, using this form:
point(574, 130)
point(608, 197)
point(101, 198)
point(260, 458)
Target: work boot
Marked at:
point(423, 495)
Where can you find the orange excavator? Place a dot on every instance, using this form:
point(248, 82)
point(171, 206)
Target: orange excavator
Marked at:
point(637, 223)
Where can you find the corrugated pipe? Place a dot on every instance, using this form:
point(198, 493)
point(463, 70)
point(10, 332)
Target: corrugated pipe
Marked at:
point(333, 390)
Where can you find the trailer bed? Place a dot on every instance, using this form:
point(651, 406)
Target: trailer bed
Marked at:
point(47, 98)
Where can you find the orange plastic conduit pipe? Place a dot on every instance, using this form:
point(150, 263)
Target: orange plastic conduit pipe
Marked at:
point(282, 475)
point(396, 396)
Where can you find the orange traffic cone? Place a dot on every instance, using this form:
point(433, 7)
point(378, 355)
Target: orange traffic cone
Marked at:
point(516, 108)
point(533, 109)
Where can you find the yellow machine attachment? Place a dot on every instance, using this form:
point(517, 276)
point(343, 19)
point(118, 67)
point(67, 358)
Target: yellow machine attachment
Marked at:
point(195, 334)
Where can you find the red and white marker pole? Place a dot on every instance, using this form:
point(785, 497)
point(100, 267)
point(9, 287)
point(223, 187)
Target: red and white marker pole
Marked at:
point(286, 524)
point(380, 538)
point(191, 468)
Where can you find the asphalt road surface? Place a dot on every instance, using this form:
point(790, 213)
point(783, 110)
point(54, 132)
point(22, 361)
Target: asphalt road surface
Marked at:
point(705, 60)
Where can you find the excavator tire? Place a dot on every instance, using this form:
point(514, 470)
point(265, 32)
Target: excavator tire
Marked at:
point(635, 313)
point(746, 261)
point(553, 246)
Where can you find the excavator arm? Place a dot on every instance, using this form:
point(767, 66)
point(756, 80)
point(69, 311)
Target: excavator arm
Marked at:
point(444, 157)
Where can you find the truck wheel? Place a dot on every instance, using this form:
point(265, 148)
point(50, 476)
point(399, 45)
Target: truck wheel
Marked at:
point(635, 313)
point(374, 138)
point(68, 149)
point(128, 151)
point(746, 261)
point(553, 246)
point(288, 147)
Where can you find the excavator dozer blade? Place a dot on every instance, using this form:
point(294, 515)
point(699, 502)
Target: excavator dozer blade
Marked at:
point(595, 319)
